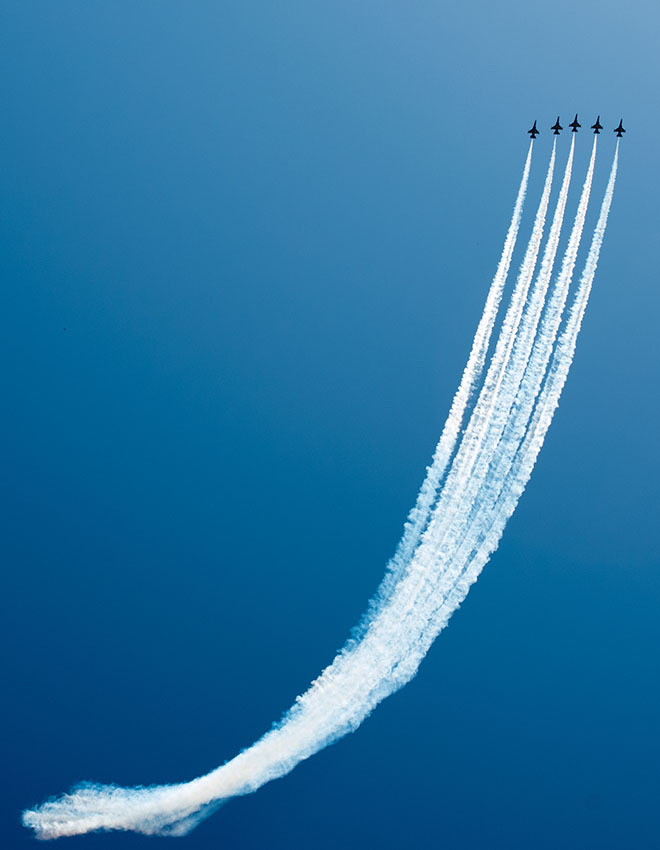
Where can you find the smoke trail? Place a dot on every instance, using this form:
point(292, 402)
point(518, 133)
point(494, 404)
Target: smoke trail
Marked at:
point(530, 362)
point(527, 333)
point(517, 476)
point(544, 342)
point(361, 675)
point(486, 520)
point(565, 350)
point(337, 702)
point(522, 347)
point(471, 461)
point(419, 515)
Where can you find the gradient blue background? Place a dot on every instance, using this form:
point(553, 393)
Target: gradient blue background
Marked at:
point(245, 248)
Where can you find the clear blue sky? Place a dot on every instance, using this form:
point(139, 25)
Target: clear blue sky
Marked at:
point(245, 247)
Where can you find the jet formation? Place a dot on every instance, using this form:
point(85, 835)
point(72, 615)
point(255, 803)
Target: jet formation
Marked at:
point(575, 125)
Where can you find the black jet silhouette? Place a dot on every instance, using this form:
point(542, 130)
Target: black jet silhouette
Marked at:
point(574, 124)
point(597, 127)
point(534, 132)
point(556, 127)
point(619, 130)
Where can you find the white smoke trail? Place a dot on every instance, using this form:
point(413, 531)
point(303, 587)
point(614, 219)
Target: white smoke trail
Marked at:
point(529, 324)
point(345, 693)
point(337, 702)
point(514, 479)
point(530, 385)
point(528, 365)
point(319, 711)
point(515, 368)
point(419, 515)
point(487, 516)
point(471, 462)
point(565, 350)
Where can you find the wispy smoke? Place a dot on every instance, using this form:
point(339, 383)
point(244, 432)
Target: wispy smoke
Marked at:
point(419, 515)
point(471, 489)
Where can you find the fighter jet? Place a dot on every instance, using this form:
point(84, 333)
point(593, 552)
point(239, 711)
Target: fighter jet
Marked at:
point(619, 130)
point(597, 127)
point(556, 127)
point(574, 124)
point(534, 132)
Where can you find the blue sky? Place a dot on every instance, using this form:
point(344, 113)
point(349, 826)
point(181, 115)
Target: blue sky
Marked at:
point(245, 247)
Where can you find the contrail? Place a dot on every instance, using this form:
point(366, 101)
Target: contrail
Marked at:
point(419, 515)
point(471, 461)
point(536, 367)
point(532, 352)
point(514, 480)
point(527, 333)
point(429, 588)
point(519, 355)
point(565, 350)
point(330, 708)
point(489, 513)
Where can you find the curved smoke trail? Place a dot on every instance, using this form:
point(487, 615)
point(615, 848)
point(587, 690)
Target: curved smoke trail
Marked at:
point(565, 349)
point(488, 514)
point(397, 639)
point(530, 384)
point(514, 480)
point(533, 350)
point(419, 515)
point(471, 462)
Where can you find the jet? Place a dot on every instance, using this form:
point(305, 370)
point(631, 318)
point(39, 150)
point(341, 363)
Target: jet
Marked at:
point(597, 127)
point(619, 130)
point(534, 132)
point(574, 124)
point(557, 126)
